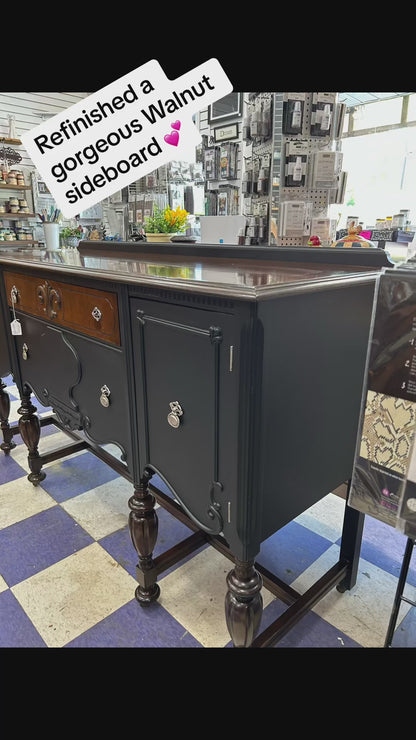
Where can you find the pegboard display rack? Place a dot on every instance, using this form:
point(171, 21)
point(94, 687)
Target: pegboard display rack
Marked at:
point(319, 198)
point(258, 156)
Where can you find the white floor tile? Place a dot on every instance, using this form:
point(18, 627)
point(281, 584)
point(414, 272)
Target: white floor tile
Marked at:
point(102, 510)
point(3, 585)
point(68, 598)
point(325, 517)
point(362, 613)
point(20, 499)
point(194, 594)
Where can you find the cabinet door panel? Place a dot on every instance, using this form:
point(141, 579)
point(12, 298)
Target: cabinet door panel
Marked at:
point(50, 366)
point(76, 380)
point(182, 356)
point(102, 395)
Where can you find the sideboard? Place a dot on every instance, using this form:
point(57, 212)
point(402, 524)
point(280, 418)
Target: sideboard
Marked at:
point(232, 373)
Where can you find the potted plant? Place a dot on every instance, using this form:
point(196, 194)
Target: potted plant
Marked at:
point(164, 223)
point(70, 236)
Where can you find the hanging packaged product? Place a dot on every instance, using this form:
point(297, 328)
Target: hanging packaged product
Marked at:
point(326, 169)
point(296, 163)
point(247, 179)
point(295, 218)
point(266, 118)
point(324, 228)
point(228, 160)
point(211, 163)
point(322, 113)
point(255, 119)
point(293, 112)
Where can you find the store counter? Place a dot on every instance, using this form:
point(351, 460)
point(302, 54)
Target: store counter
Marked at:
point(233, 373)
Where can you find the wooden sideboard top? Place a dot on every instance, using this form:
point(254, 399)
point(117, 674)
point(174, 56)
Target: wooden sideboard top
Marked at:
point(249, 273)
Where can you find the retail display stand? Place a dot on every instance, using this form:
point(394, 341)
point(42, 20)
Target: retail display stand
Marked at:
point(399, 591)
point(384, 475)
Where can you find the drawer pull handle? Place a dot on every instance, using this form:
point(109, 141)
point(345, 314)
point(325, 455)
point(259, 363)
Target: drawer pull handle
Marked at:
point(96, 313)
point(175, 414)
point(25, 351)
point(105, 396)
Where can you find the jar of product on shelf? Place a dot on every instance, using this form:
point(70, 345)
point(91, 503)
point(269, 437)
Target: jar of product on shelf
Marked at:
point(10, 237)
point(11, 180)
point(2, 208)
point(22, 203)
point(24, 210)
point(14, 209)
point(13, 202)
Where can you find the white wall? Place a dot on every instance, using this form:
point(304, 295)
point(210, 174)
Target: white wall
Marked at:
point(30, 110)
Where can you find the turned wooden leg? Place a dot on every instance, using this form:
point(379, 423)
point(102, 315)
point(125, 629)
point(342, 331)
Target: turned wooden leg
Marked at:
point(143, 524)
point(7, 433)
point(243, 603)
point(29, 428)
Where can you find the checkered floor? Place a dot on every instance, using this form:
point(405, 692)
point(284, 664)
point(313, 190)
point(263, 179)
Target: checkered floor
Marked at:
point(67, 567)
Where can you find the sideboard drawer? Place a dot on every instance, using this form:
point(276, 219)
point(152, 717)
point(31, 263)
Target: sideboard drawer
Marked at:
point(87, 310)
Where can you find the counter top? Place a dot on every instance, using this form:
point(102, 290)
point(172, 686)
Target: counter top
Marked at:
point(239, 272)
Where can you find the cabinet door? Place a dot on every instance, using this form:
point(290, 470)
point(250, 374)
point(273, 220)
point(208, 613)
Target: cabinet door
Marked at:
point(187, 385)
point(5, 364)
point(50, 366)
point(82, 380)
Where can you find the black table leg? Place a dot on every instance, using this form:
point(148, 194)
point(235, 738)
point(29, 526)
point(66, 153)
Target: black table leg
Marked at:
point(352, 532)
point(7, 433)
point(243, 603)
point(399, 591)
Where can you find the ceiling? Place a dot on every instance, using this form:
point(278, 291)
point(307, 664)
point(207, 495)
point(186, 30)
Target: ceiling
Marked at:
point(359, 98)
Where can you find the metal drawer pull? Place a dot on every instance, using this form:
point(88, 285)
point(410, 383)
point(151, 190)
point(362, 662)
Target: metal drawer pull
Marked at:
point(175, 414)
point(105, 396)
point(96, 313)
point(25, 351)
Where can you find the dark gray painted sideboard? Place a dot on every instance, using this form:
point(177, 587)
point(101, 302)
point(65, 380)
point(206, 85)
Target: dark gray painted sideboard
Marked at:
point(234, 374)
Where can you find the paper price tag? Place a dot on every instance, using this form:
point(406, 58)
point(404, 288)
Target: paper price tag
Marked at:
point(16, 327)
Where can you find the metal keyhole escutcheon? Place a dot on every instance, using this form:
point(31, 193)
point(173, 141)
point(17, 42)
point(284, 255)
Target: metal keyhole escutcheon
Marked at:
point(175, 414)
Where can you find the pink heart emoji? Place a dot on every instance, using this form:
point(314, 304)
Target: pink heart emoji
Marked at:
point(176, 125)
point(172, 138)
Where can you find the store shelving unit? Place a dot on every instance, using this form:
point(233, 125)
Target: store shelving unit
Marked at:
point(18, 216)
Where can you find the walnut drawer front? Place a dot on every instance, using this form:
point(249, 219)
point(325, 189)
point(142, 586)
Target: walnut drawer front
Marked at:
point(87, 310)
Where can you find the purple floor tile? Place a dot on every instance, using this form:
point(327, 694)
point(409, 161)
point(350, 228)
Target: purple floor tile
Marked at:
point(16, 629)
point(291, 550)
point(135, 626)
point(9, 468)
point(69, 478)
point(33, 544)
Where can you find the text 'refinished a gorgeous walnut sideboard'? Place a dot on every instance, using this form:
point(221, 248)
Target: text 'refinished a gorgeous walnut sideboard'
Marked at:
point(233, 374)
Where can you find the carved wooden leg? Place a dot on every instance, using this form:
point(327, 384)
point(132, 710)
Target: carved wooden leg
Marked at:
point(243, 603)
point(29, 428)
point(7, 433)
point(143, 524)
